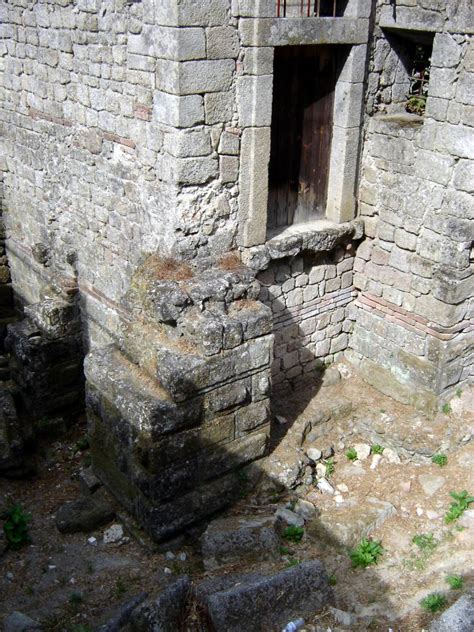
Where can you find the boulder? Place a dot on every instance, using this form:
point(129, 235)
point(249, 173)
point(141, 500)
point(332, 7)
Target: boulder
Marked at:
point(123, 614)
point(84, 514)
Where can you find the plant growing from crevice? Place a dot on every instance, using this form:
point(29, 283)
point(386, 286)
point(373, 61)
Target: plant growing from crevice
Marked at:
point(434, 602)
point(367, 553)
point(16, 527)
point(416, 104)
point(459, 505)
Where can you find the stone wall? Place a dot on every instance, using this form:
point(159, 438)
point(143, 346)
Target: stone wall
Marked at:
point(308, 296)
point(413, 334)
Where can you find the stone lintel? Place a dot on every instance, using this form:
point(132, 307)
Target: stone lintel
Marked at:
point(299, 31)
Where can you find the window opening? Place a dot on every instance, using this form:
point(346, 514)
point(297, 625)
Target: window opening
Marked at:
point(311, 8)
point(419, 80)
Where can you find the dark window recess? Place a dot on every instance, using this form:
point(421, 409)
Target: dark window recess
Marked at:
point(302, 120)
point(312, 8)
point(419, 80)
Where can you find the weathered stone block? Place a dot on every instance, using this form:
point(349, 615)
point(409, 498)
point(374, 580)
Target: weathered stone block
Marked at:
point(219, 107)
point(271, 601)
point(194, 77)
point(222, 42)
point(230, 540)
point(178, 111)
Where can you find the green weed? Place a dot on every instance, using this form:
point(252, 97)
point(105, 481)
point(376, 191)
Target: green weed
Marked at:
point(456, 582)
point(434, 602)
point(377, 449)
point(120, 587)
point(293, 534)
point(425, 542)
point(292, 562)
point(458, 392)
point(332, 579)
point(16, 527)
point(329, 463)
point(351, 454)
point(446, 408)
point(439, 459)
point(366, 553)
point(284, 550)
point(461, 502)
point(82, 445)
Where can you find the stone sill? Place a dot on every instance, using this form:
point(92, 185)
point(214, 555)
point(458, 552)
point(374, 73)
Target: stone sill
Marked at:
point(313, 237)
point(404, 119)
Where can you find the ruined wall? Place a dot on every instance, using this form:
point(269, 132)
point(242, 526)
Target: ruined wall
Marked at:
point(413, 333)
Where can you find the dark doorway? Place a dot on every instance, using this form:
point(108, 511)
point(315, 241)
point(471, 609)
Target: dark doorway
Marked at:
point(302, 119)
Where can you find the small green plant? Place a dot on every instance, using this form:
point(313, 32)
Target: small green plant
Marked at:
point(456, 582)
point(293, 562)
point(351, 454)
point(366, 553)
point(458, 392)
point(16, 527)
point(416, 104)
point(332, 579)
point(434, 602)
point(425, 542)
point(329, 467)
point(377, 449)
point(80, 627)
point(439, 459)
point(284, 550)
point(446, 408)
point(82, 445)
point(293, 534)
point(120, 587)
point(461, 502)
point(76, 598)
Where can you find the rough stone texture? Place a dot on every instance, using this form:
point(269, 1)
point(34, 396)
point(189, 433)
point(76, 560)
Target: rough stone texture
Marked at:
point(413, 334)
point(457, 618)
point(164, 613)
point(19, 622)
point(230, 540)
point(84, 514)
point(271, 601)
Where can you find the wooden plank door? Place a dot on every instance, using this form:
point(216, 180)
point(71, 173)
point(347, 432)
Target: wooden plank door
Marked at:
point(302, 117)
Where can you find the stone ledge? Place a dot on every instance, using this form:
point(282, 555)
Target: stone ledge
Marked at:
point(316, 236)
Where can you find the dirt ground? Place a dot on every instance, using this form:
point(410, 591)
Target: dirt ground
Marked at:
point(69, 584)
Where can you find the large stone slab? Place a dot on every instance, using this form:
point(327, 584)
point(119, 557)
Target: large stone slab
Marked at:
point(271, 601)
point(84, 514)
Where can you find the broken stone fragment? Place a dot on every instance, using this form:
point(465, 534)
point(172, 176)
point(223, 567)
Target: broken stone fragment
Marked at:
point(314, 454)
point(165, 612)
point(363, 451)
point(305, 509)
point(289, 517)
point(84, 514)
point(229, 540)
point(270, 602)
point(458, 618)
point(122, 615)
point(19, 622)
point(325, 486)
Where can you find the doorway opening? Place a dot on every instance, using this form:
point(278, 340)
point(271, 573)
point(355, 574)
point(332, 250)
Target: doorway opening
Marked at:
point(302, 122)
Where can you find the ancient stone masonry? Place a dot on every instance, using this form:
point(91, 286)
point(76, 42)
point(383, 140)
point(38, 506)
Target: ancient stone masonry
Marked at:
point(174, 418)
point(413, 334)
point(139, 208)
